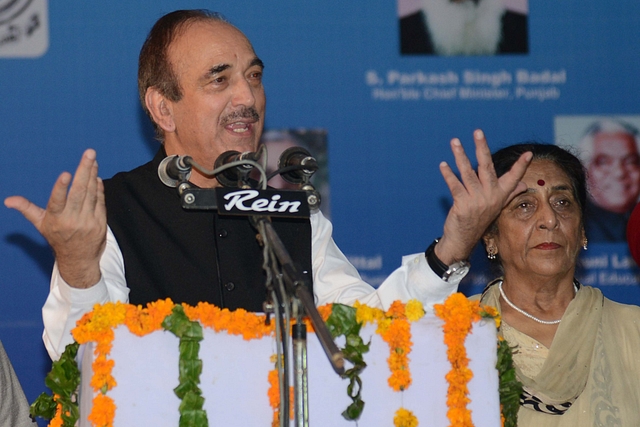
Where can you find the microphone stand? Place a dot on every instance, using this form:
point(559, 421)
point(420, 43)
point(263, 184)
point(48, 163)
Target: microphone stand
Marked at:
point(296, 287)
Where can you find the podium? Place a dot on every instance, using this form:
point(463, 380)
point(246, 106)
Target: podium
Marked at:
point(234, 379)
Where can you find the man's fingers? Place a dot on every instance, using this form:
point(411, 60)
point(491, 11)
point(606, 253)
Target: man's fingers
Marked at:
point(101, 208)
point(81, 180)
point(92, 185)
point(31, 212)
point(58, 198)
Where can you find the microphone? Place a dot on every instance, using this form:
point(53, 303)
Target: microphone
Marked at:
point(297, 164)
point(174, 169)
point(230, 176)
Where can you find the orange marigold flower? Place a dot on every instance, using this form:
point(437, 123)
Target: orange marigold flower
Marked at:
point(102, 377)
point(56, 421)
point(103, 411)
point(274, 390)
point(325, 311)
point(396, 310)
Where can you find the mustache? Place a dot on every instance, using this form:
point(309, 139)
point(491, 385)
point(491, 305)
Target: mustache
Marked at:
point(243, 113)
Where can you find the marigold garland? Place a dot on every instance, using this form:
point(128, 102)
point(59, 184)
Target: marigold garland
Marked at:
point(459, 314)
point(274, 395)
point(98, 326)
point(395, 330)
point(57, 420)
point(393, 326)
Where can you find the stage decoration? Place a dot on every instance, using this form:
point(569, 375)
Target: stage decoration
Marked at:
point(190, 334)
point(510, 387)
point(394, 328)
point(186, 322)
point(63, 381)
point(405, 418)
point(274, 394)
point(459, 313)
point(342, 321)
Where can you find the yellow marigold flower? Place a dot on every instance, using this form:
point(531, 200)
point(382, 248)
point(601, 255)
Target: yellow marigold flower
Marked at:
point(404, 418)
point(414, 310)
point(366, 314)
point(383, 325)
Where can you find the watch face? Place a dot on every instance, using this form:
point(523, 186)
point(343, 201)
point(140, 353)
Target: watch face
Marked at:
point(456, 270)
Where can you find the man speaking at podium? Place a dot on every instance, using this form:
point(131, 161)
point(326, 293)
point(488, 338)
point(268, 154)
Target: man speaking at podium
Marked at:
point(128, 239)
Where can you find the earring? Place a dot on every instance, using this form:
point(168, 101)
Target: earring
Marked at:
point(584, 244)
point(491, 252)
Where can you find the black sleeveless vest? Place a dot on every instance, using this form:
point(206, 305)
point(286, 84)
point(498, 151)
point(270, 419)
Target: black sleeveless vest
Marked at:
point(191, 256)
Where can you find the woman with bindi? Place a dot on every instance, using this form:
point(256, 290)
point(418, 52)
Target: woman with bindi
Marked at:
point(574, 350)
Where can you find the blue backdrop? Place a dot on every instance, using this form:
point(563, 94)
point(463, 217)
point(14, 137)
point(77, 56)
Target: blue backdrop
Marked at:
point(68, 72)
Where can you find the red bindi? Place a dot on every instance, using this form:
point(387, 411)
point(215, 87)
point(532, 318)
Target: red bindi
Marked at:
point(541, 182)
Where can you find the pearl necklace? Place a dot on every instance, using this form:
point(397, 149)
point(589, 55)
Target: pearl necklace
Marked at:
point(524, 313)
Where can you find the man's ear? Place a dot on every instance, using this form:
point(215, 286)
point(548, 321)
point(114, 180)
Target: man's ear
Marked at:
point(160, 109)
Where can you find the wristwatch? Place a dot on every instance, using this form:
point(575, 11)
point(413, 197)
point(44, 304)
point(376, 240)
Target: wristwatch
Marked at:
point(455, 271)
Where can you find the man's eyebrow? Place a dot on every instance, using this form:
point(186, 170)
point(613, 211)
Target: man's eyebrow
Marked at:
point(257, 61)
point(217, 69)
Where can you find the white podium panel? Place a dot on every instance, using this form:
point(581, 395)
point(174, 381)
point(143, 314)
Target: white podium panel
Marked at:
point(234, 379)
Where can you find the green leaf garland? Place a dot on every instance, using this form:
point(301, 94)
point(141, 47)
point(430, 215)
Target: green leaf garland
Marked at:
point(192, 413)
point(510, 388)
point(63, 380)
point(342, 321)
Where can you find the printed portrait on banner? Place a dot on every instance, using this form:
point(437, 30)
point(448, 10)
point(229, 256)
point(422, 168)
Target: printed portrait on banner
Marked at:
point(609, 148)
point(463, 27)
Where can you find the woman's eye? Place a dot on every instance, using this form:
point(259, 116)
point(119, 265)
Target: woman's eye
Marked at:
point(563, 203)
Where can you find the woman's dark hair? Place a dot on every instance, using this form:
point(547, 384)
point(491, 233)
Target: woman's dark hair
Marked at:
point(505, 158)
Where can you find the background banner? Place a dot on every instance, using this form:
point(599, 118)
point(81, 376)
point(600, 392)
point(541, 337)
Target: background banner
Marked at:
point(384, 85)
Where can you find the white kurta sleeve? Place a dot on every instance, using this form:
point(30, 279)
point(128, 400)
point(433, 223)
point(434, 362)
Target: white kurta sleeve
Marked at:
point(66, 305)
point(335, 279)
